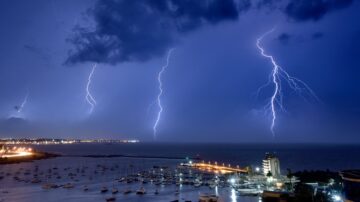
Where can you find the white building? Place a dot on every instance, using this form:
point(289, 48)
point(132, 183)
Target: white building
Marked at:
point(271, 164)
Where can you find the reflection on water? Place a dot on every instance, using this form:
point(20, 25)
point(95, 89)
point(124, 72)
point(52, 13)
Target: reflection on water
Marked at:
point(233, 195)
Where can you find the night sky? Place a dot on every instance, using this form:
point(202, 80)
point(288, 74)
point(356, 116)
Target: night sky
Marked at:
point(48, 49)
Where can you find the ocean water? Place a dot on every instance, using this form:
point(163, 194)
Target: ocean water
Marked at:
point(293, 156)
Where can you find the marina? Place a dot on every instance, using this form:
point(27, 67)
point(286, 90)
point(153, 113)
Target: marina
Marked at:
point(108, 177)
point(110, 181)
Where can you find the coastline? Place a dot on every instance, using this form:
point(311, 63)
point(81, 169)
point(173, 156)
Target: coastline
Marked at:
point(30, 158)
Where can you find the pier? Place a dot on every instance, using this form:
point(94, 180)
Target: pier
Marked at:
point(215, 168)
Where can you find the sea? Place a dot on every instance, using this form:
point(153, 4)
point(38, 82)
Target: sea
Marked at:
point(143, 156)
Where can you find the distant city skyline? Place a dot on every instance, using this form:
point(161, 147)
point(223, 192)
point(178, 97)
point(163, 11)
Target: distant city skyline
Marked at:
point(50, 49)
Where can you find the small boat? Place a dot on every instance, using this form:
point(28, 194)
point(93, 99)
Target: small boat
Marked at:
point(197, 185)
point(46, 186)
point(128, 191)
point(114, 191)
point(104, 190)
point(212, 185)
point(86, 188)
point(156, 192)
point(141, 191)
point(50, 186)
point(249, 191)
point(110, 199)
point(68, 186)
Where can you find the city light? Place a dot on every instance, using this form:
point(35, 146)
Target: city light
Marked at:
point(15, 152)
point(46, 141)
point(336, 198)
point(214, 168)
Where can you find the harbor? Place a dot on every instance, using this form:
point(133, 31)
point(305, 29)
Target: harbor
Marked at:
point(147, 179)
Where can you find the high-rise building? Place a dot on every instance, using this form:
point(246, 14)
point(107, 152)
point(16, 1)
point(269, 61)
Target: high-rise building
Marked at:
point(351, 179)
point(271, 164)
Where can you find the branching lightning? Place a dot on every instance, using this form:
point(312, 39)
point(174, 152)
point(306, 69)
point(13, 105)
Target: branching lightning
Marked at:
point(158, 99)
point(21, 107)
point(89, 98)
point(278, 74)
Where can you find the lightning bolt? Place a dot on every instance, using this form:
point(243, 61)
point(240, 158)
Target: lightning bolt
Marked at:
point(278, 74)
point(89, 98)
point(158, 99)
point(21, 107)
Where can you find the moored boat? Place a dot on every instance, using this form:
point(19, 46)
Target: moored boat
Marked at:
point(114, 191)
point(128, 191)
point(104, 190)
point(110, 199)
point(141, 191)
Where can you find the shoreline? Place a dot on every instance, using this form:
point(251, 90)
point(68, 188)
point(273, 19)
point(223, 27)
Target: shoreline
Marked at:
point(133, 156)
point(30, 158)
point(46, 155)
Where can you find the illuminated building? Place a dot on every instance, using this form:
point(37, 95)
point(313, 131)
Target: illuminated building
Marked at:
point(271, 164)
point(351, 179)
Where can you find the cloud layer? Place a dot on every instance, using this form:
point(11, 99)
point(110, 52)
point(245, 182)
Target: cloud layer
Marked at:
point(128, 31)
point(140, 30)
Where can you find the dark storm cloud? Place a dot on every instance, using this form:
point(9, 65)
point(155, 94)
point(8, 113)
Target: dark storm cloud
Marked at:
point(272, 4)
point(139, 30)
point(303, 10)
point(126, 31)
point(284, 38)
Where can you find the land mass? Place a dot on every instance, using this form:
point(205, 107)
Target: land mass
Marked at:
point(28, 158)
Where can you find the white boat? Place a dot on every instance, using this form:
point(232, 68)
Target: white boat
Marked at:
point(197, 184)
point(249, 191)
